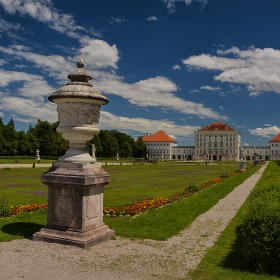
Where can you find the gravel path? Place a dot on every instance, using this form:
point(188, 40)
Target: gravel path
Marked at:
point(125, 259)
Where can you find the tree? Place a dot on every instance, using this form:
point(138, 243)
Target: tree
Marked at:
point(125, 143)
point(1, 137)
point(139, 148)
point(61, 144)
point(10, 138)
point(23, 145)
point(109, 143)
point(98, 147)
point(45, 138)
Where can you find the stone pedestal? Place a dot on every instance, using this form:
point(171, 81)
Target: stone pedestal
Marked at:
point(75, 205)
point(242, 165)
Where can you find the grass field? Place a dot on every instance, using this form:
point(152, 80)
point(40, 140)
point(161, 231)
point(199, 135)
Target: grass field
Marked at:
point(128, 184)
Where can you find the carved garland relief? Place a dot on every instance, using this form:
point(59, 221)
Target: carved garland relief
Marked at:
point(78, 114)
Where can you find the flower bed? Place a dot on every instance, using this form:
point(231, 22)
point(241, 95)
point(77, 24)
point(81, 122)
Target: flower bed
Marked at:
point(140, 207)
point(14, 210)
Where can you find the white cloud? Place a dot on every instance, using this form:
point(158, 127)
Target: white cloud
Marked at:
point(170, 4)
point(195, 90)
point(175, 67)
point(153, 92)
point(118, 20)
point(33, 85)
point(27, 109)
point(265, 132)
point(99, 53)
point(266, 124)
point(152, 18)
point(205, 61)
point(210, 88)
point(6, 26)
point(256, 68)
point(110, 121)
point(43, 11)
point(246, 144)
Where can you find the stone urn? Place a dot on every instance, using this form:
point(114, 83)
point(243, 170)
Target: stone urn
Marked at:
point(78, 107)
point(76, 182)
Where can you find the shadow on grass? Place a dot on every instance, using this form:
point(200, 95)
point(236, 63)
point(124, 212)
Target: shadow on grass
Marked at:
point(24, 229)
point(235, 259)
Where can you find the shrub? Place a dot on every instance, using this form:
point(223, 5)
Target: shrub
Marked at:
point(260, 229)
point(4, 208)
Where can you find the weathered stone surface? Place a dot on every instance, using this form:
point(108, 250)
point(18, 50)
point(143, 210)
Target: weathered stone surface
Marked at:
point(75, 205)
point(242, 165)
point(85, 240)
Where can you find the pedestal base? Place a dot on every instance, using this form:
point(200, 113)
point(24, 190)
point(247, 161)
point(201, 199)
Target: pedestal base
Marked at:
point(83, 240)
point(242, 165)
point(75, 205)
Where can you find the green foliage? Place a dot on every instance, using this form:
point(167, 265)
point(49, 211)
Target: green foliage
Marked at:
point(260, 229)
point(140, 149)
point(4, 208)
point(43, 137)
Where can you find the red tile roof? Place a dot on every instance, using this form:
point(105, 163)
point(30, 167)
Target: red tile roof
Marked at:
point(216, 126)
point(276, 138)
point(160, 136)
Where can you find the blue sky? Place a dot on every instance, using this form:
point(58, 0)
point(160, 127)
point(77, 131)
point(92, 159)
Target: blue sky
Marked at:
point(164, 64)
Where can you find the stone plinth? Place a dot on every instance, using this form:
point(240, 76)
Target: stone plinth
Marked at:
point(242, 165)
point(75, 205)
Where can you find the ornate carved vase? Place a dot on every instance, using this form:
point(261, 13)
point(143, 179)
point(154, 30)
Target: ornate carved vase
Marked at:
point(78, 107)
point(76, 182)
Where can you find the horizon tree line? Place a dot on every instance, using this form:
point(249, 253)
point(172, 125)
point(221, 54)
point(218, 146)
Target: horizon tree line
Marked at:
point(44, 137)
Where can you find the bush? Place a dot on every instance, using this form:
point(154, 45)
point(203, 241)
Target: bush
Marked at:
point(260, 229)
point(4, 208)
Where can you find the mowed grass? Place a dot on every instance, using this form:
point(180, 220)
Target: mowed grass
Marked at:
point(128, 184)
point(24, 161)
point(134, 183)
point(23, 186)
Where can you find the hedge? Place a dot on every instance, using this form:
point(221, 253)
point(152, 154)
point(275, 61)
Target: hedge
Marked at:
point(260, 229)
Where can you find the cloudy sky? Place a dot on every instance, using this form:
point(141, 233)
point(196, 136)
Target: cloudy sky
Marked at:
point(174, 65)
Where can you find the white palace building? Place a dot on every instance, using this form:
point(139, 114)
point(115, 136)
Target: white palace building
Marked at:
point(216, 141)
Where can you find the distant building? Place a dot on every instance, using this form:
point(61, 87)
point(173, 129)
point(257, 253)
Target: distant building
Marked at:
point(274, 148)
point(253, 152)
point(162, 146)
point(217, 141)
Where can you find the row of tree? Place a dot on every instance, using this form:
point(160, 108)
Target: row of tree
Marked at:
point(43, 136)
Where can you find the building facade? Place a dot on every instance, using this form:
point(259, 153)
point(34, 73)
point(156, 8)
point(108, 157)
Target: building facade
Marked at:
point(217, 141)
point(253, 152)
point(159, 145)
point(274, 148)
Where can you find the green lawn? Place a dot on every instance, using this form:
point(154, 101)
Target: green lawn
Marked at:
point(128, 184)
point(133, 183)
